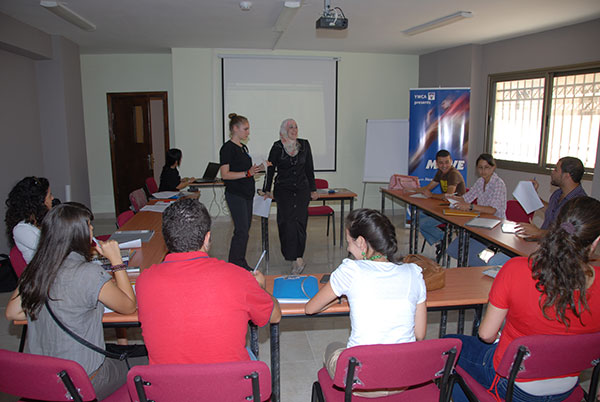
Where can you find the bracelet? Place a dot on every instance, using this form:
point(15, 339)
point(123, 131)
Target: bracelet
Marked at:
point(119, 267)
point(248, 173)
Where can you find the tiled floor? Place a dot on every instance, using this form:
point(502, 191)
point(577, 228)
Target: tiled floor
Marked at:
point(303, 340)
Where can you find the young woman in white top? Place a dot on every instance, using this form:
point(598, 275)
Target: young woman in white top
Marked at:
point(27, 204)
point(386, 297)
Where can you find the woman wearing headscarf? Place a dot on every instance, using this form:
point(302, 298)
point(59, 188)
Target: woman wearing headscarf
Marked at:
point(295, 186)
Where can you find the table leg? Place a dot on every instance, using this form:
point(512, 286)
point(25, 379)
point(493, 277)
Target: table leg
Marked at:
point(264, 233)
point(23, 338)
point(275, 359)
point(415, 218)
point(466, 249)
point(253, 338)
point(443, 323)
point(460, 325)
point(447, 264)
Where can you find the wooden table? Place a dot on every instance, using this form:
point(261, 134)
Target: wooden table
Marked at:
point(508, 242)
point(466, 288)
point(341, 194)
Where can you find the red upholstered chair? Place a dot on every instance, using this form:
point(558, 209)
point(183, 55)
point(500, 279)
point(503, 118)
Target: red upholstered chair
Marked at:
point(138, 199)
point(151, 186)
point(371, 367)
point(17, 261)
point(44, 378)
point(542, 356)
point(324, 210)
point(124, 217)
point(223, 382)
point(516, 213)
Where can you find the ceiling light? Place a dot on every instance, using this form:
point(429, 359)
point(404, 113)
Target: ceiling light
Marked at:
point(440, 22)
point(246, 5)
point(67, 14)
point(290, 8)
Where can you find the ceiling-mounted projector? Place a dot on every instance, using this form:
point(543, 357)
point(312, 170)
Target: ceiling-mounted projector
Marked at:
point(332, 18)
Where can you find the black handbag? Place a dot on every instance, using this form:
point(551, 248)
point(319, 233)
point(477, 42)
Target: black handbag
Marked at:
point(112, 351)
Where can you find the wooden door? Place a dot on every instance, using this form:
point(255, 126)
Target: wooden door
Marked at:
point(131, 143)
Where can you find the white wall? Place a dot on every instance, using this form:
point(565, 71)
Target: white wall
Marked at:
point(101, 74)
point(370, 86)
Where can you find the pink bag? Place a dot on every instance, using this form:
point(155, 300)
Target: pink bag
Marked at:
point(403, 182)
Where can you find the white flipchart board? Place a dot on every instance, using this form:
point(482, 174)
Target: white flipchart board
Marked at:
point(386, 150)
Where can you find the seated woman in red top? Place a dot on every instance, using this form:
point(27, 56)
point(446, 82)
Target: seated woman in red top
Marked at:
point(555, 291)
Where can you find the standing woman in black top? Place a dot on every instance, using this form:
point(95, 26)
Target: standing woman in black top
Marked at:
point(237, 171)
point(169, 177)
point(294, 188)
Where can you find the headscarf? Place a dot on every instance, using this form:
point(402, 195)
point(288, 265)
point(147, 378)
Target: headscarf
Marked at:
point(291, 146)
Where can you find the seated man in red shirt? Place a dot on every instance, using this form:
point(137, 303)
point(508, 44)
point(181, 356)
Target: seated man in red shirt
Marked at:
point(194, 308)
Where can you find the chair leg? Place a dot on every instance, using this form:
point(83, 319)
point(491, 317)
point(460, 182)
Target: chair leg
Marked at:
point(333, 230)
point(328, 216)
point(317, 393)
point(423, 246)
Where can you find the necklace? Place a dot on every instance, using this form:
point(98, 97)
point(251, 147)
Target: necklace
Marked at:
point(371, 258)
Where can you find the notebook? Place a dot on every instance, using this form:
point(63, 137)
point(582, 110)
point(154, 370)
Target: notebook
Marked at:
point(458, 212)
point(210, 174)
point(485, 223)
point(295, 289)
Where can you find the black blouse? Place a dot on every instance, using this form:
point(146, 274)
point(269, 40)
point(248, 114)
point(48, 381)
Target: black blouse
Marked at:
point(169, 179)
point(293, 172)
point(239, 160)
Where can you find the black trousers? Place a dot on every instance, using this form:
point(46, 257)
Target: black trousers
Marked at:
point(292, 218)
point(241, 213)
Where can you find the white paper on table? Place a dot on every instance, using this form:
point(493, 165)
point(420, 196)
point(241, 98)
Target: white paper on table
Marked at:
point(158, 207)
point(418, 195)
point(261, 206)
point(131, 244)
point(527, 196)
point(165, 194)
point(452, 202)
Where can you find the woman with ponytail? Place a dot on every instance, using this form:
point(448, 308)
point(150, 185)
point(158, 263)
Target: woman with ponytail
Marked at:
point(554, 291)
point(386, 297)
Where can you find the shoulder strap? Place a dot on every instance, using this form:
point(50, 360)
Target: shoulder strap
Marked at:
point(85, 343)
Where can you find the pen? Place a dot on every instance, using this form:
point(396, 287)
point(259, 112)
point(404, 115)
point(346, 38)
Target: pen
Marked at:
point(259, 261)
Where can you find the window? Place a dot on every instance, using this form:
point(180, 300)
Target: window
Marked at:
point(535, 118)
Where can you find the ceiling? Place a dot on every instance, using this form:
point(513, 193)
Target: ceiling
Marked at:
point(135, 26)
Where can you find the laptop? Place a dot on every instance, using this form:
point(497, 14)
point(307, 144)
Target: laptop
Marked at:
point(210, 174)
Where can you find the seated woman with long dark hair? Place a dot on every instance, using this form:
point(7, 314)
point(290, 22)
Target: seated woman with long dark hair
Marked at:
point(61, 277)
point(169, 177)
point(27, 204)
point(554, 291)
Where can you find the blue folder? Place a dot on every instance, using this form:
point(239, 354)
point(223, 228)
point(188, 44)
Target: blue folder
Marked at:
point(295, 289)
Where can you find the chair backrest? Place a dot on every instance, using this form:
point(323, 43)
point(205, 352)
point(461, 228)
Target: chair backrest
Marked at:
point(516, 213)
point(196, 382)
point(43, 378)
point(550, 356)
point(124, 217)
point(151, 186)
point(397, 365)
point(138, 199)
point(321, 183)
point(17, 261)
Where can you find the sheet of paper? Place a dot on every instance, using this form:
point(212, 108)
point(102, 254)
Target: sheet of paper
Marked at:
point(165, 194)
point(131, 244)
point(418, 195)
point(527, 196)
point(259, 159)
point(158, 207)
point(261, 206)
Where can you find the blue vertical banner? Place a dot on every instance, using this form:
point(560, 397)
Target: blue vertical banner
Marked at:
point(439, 119)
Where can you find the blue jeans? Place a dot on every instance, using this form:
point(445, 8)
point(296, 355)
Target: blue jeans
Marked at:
point(476, 247)
point(476, 358)
point(429, 230)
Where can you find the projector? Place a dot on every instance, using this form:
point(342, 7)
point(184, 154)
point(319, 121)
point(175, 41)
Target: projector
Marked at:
point(332, 23)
